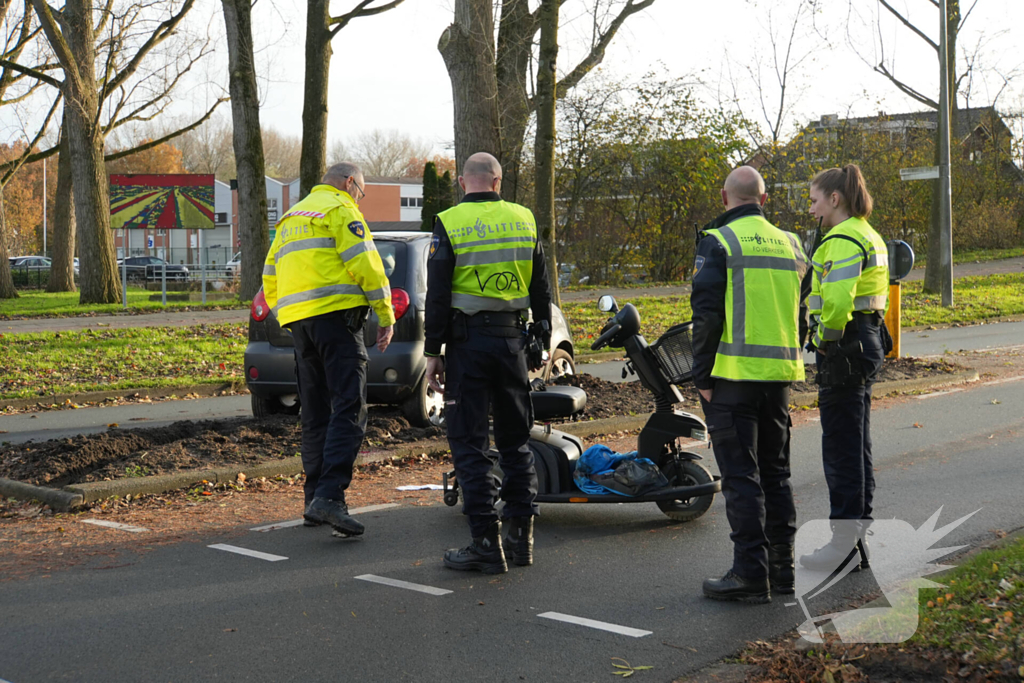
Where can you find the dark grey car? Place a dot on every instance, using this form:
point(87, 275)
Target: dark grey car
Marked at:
point(142, 268)
point(396, 377)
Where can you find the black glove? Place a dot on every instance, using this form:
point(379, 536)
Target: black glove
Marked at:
point(538, 341)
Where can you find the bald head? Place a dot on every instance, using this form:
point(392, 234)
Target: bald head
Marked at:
point(479, 173)
point(743, 186)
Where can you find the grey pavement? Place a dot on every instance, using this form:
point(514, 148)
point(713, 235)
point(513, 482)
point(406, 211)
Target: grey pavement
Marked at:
point(1008, 265)
point(121, 321)
point(190, 612)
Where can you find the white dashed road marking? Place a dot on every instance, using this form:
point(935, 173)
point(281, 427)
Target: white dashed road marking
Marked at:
point(601, 625)
point(245, 551)
point(115, 525)
point(395, 583)
point(279, 525)
point(297, 522)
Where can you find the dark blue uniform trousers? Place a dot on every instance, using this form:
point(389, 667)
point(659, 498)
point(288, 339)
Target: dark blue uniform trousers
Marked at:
point(750, 426)
point(846, 429)
point(330, 362)
point(483, 373)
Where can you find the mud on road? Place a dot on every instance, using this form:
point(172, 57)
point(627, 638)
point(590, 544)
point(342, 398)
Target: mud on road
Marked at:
point(119, 453)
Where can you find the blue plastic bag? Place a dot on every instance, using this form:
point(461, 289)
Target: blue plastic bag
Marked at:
point(598, 459)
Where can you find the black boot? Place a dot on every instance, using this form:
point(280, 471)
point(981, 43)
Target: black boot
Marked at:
point(781, 572)
point(735, 587)
point(518, 544)
point(335, 513)
point(844, 545)
point(484, 554)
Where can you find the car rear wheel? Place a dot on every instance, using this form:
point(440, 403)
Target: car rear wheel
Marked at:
point(425, 408)
point(561, 364)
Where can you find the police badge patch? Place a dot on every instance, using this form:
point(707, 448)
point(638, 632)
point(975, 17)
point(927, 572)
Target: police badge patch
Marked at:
point(357, 229)
point(435, 241)
point(825, 269)
point(698, 263)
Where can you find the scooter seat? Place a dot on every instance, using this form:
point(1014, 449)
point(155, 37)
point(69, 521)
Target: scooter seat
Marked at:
point(557, 402)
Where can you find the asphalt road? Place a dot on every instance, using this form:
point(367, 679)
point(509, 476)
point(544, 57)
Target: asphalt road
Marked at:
point(191, 612)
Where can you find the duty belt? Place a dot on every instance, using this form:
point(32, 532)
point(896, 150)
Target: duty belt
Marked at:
point(874, 318)
point(495, 319)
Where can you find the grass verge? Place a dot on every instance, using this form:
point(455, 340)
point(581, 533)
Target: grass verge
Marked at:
point(36, 304)
point(98, 360)
point(980, 611)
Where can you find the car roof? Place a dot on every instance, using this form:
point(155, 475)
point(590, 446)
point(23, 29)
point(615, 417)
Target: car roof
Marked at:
point(402, 236)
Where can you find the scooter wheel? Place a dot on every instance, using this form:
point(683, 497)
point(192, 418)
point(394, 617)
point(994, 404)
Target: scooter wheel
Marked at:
point(451, 498)
point(685, 510)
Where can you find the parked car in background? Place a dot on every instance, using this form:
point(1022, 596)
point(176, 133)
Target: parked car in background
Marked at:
point(76, 266)
point(33, 263)
point(142, 268)
point(396, 377)
point(568, 275)
point(234, 266)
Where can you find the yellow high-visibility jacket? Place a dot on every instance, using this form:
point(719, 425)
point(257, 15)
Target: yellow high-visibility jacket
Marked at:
point(323, 259)
point(851, 273)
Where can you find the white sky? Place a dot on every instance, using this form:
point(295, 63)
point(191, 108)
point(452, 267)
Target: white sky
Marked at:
point(387, 72)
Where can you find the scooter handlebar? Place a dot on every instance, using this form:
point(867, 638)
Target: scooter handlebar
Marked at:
point(603, 340)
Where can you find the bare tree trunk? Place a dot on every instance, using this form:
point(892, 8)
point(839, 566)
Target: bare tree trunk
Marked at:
point(99, 282)
point(7, 288)
point(515, 41)
point(935, 275)
point(248, 144)
point(314, 102)
point(467, 47)
point(544, 146)
point(62, 269)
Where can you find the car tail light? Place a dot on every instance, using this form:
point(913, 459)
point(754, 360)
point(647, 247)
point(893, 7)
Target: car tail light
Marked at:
point(254, 373)
point(399, 302)
point(259, 310)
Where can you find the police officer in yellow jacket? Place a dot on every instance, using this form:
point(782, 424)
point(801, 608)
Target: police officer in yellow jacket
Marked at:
point(485, 269)
point(847, 303)
point(321, 277)
point(746, 353)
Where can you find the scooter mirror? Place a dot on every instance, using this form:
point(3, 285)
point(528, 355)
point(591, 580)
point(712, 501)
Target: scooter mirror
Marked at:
point(607, 304)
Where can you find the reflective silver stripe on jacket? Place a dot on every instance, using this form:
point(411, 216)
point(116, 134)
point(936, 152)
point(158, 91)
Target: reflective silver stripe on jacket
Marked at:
point(828, 334)
point(270, 270)
point(739, 291)
point(870, 303)
point(814, 302)
point(378, 294)
point(758, 351)
point(318, 293)
point(302, 245)
point(495, 240)
point(358, 249)
point(480, 258)
point(470, 303)
point(878, 259)
point(845, 273)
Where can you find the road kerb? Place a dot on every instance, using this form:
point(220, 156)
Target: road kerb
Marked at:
point(77, 495)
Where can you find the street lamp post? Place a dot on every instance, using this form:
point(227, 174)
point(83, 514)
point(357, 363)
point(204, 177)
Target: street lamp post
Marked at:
point(945, 190)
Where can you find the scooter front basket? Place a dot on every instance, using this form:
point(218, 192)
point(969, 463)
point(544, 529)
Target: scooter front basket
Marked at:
point(674, 351)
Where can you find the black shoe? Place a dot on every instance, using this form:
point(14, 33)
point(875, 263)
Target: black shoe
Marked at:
point(335, 513)
point(846, 543)
point(865, 553)
point(484, 554)
point(309, 522)
point(781, 572)
point(518, 544)
point(737, 588)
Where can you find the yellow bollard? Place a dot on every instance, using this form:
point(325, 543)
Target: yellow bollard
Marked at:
point(892, 319)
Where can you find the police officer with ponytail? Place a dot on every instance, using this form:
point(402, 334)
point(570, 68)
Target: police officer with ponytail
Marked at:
point(848, 301)
point(746, 352)
point(486, 268)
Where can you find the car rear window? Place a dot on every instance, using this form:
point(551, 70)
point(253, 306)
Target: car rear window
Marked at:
point(393, 255)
